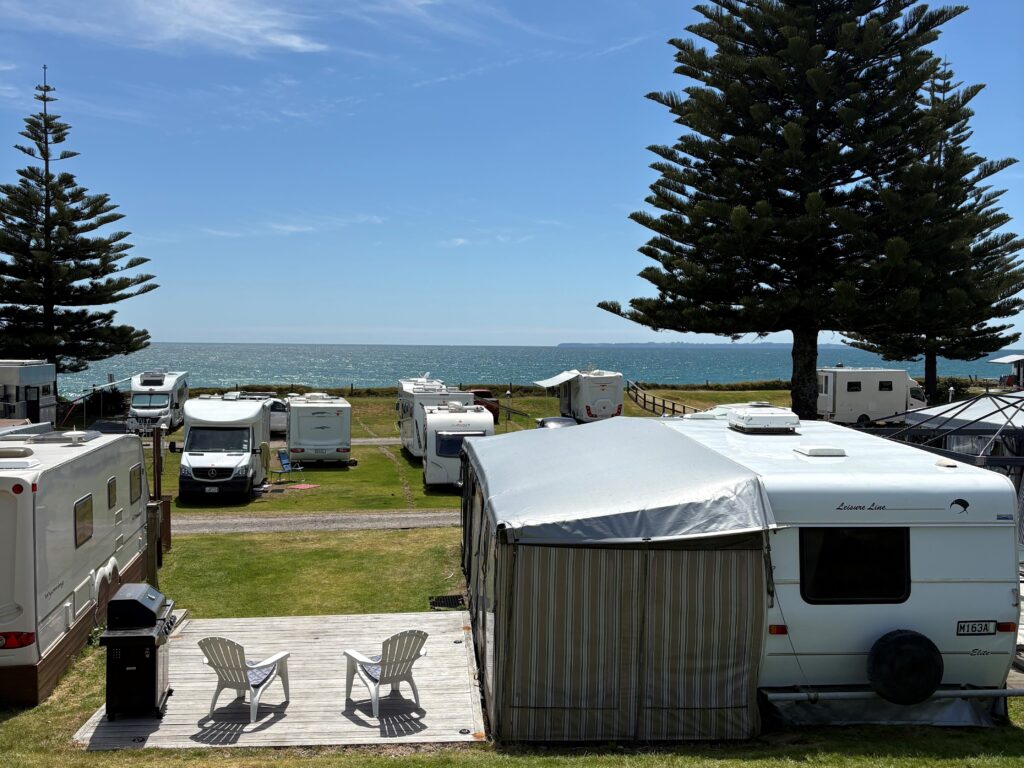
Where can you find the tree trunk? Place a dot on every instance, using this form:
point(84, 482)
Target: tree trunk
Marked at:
point(804, 388)
point(931, 377)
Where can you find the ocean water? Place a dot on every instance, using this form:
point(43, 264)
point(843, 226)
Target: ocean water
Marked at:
point(368, 365)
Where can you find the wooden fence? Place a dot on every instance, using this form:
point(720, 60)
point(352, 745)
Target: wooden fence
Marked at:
point(655, 404)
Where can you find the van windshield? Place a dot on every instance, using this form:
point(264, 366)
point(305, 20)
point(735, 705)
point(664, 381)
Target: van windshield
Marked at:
point(150, 400)
point(212, 439)
point(449, 444)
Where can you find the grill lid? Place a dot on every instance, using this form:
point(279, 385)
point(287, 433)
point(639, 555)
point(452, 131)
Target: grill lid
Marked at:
point(135, 606)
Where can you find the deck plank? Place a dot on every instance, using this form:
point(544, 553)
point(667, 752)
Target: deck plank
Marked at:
point(317, 713)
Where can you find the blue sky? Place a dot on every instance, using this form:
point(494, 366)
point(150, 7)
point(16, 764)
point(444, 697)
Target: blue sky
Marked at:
point(393, 171)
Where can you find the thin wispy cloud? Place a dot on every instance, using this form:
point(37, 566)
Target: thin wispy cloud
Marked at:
point(5, 67)
point(622, 46)
point(454, 242)
point(244, 27)
point(297, 225)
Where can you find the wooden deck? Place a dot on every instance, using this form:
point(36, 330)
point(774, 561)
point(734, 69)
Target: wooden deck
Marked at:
point(317, 713)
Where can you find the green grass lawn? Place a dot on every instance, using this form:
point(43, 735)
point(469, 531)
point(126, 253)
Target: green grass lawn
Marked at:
point(362, 572)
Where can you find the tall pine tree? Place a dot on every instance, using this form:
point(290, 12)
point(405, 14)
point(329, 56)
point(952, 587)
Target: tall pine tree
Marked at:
point(55, 266)
point(767, 202)
point(959, 271)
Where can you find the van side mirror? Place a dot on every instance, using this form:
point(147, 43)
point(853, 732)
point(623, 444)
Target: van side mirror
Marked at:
point(173, 447)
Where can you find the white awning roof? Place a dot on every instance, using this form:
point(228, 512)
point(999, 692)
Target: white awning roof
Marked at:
point(619, 480)
point(984, 412)
point(561, 378)
point(1008, 359)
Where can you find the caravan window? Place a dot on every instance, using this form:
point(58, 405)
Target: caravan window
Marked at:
point(135, 483)
point(111, 493)
point(83, 520)
point(885, 386)
point(150, 400)
point(449, 444)
point(854, 565)
point(853, 386)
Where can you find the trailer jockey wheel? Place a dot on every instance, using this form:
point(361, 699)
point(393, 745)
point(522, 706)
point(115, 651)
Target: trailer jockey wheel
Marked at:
point(904, 667)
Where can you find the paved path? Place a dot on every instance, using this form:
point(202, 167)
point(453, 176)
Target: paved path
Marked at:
point(316, 521)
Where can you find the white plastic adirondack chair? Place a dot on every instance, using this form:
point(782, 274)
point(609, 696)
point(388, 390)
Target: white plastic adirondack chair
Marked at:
point(392, 667)
point(227, 659)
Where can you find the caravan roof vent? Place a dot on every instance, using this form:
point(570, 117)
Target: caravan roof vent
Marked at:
point(17, 457)
point(764, 421)
point(819, 450)
point(152, 379)
point(701, 415)
point(454, 407)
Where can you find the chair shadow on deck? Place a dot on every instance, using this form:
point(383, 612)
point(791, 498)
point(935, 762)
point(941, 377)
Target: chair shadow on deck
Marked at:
point(216, 731)
point(398, 716)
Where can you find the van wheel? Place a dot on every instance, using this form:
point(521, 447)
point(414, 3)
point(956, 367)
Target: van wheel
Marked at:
point(863, 419)
point(904, 667)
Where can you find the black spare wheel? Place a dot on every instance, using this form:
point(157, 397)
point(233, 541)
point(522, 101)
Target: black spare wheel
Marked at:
point(904, 667)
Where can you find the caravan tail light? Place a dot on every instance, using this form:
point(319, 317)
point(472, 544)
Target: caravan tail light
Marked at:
point(778, 629)
point(1006, 626)
point(342, 450)
point(298, 450)
point(618, 411)
point(17, 488)
point(10, 640)
point(590, 413)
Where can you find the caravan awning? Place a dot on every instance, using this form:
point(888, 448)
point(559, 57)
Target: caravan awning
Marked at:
point(620, 480)
point(554, 381)
point(1008, 359)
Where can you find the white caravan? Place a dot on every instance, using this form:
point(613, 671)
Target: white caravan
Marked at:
point(587, 395)
point(226, 448)
point(446, 426)
point(413, 396)
point(158, 398)
point(28, 390)
point(319, 428)
point(847, 577)
point(72, 528)
point(862, 395)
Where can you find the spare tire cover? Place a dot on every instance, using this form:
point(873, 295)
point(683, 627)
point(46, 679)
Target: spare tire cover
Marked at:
point(904, 667)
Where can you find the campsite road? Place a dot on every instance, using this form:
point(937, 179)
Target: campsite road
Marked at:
point(317, 521)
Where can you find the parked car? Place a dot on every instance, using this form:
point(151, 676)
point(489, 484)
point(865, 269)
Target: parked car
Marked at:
point(278, 415)
point(487, 399)
point(555, 422)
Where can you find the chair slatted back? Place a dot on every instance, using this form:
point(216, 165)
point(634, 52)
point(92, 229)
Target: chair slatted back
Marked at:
point(399, 652)
point(227, 658)
point(286, 463)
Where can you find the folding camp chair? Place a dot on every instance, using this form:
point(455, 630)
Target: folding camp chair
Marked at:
point(287, 466)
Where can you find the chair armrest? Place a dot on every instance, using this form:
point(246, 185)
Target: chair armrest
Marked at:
point(270, 660)
point(357, 656)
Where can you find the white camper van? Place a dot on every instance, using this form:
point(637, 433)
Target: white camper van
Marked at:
point(72, 528)
point(413, 396)
point(226, 448)
point(28, 390)
point(861, 395)
point(319, 428)
point(839, 576)
point(158, 398)
point(587, 395)
point(446, 426)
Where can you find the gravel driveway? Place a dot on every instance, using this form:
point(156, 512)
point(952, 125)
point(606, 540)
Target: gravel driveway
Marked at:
point(316, 521)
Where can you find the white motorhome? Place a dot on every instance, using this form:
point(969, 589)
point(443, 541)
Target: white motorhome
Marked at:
point(862, 395)
point(413, 396)
point(446, 426)
point(28, 390)
point(839, 576)
point(157, 399)
point(319, 428)
point(226, 448)
point(587, 395)
point(72, 528)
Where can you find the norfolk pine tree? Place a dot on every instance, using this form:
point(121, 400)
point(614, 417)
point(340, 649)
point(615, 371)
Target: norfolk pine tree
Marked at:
point(54, 266)
point(767, 203)
point(961, 271)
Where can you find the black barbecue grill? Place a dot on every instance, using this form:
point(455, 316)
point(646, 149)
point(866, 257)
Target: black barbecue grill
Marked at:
point(139, 619)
